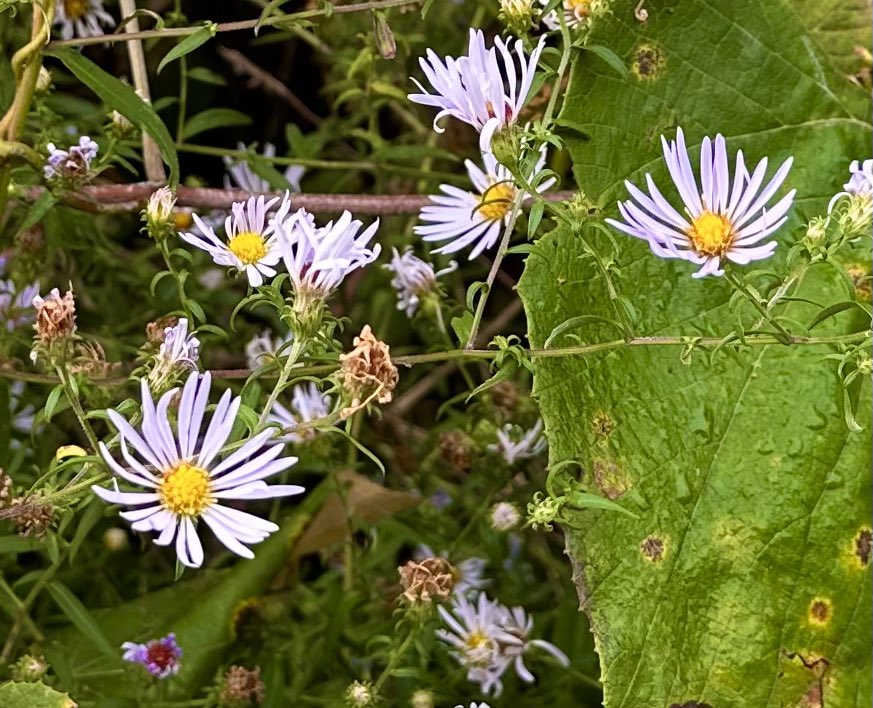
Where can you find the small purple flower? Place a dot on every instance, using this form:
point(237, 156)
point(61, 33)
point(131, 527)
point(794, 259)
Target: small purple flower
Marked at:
point(73, 163)
point(159, 656)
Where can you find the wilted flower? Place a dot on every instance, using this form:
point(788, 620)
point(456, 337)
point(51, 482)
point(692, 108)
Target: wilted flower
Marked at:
point(318, 259)
point(429, 580)
point(82, 18)
point(158, 214)
point(856, 215)
point(31, 515)
point(71, 165)
point(473, 88)
point(514, 444)
point(29, 668)
point(360, 695)
point(55, 326)
point(367, 372)
point(474, 219)
point(252, 244)
point(179, 353)
point(186, 482)
point(414, 279)
point(469, 574)
point(504, 516)
point(307, 404)
point(242, 687)
point(241, 175)
point(725, 222)
point(457, 448)
point(159, 656)
point(262, 347)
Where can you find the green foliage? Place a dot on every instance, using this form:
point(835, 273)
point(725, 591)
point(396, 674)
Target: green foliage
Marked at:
point(32, 695)
point(740, 582)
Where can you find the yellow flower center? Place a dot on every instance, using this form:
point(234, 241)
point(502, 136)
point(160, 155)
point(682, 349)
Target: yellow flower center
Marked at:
point(497, 201)
point(711, 234)
point(182, 220)
point(75, 9)
point(477, 640)
point(580, 7)
point(249, 247)
point(185, 490)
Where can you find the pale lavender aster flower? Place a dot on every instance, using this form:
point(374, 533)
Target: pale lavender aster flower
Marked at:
point(486, 88)
point(319, 258)
point(514, 444)
point(159, 656)
point(180, 348)
point(179, 466)
point(518, 624)
point(307, 404)
point(82, 18)
point(73, 163)
point(466, 219)
point(576, 13)
point(241, 175)
point(860, 184)
point(726, 221)
point(252, 244)
point(414, 279)
point(16, 306)
point(264, 346)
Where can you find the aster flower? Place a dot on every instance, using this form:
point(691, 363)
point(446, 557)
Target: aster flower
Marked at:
point(158, 214)
point(319, 258)
point(576, 13)
point(474, 219)
point(413, 279)
point(262, 347)
point(16, 306)
point(252, 243)
point(72, 164)
point(179, 352)
point(518, 624)
point(514, 444)
point(159, 656)
point(241, 175)
point(486, 88)
point(307, 404)
point(82, 18)
point(856, 214)
point(185, 481)
point(725, 222)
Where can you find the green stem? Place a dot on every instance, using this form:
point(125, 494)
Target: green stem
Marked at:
point(73, 398)
point(742, 288)
point(396, 656)
point(297, 347)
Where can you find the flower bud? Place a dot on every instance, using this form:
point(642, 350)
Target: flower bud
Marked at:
point(506, 145)
point(423, 699)
point(115, 540)
point(385, 42)
point(360, 695)
point(44, 80)
point(518, 15)
point(158, 214)
point(542, 511)
point(28, 669)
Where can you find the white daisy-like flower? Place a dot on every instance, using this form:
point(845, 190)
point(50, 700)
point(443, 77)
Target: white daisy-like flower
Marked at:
point(517, 623)
point(725, 221)
point(252, 243)
point(486, 88)
point(71, 164)
point(307, 404)
point(186, 482)
point(474, 219)
point(241, 175)
point(576, 13)
point(414, 279)
point(319, 258)
point(859, 186)
point(264, 346)
point(515, 444)
point(474, 630)
point(504, 516)
point(82, 18)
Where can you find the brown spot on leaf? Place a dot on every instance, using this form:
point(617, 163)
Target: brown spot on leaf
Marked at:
point(820, 611)
point(652, 548)
point(648, 62)
point(602, 425)
point(863, 543)
point(690, 704)
point(609, 477)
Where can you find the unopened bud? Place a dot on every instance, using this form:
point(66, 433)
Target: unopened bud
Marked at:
point(542, 512)
point(385, 41)
point(158, 214)
point(115, 540)
point(28, 669)
point(360, 695)
point(518, 15)
point(44, 80)
point(506, 145)
point(816, 231)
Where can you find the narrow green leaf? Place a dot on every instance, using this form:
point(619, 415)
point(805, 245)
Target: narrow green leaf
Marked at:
point(189, 44)
point(92, 514)
point(832, 310)
point(213, 118)
point(52, 402)
point(37, 210)
point(587, 500)
point(78, 614)
point(17, 544)
point(611, 58)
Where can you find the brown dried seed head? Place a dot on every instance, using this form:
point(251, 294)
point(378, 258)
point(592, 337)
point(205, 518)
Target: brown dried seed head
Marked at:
point(55, 316)
point(32, 517)
point(428, 581)
point(155, 330)
point(242, 687)
point(367, 372)
point(5, 488)
point(456, 449)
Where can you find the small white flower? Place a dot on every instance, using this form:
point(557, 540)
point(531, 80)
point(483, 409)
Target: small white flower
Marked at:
point(505, 516)
point(726, 222)
point(82, 18)
point(160, 206)
point(241, 175)
point(413, 279)
point(858, 193)
point(318, 259)
point(475, 705)
point(517, 623)
point(262, 347)
point(179, 466)
point(179, 348)
point(252, 244)
point(70, 164)
point(307, 404)
point(486, 88)
point(474, 219)
point(514, 444)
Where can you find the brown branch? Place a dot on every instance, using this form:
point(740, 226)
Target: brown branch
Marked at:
point(131, 197)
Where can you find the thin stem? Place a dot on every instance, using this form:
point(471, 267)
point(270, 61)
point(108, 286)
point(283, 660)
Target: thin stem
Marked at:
point(566, 48)
point(741, 287)
point(395, 658)
point(24, 608)
point(297, 347)
point(73, 398)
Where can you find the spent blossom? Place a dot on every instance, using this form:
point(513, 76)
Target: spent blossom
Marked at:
point(72, 165)
point(515, 444)
point(367, 372)
point(159, 656)
point(308, 404)
point(82, 18)
point(486, 88)
point(725, 220)
point(185, 481)
point(414, 279)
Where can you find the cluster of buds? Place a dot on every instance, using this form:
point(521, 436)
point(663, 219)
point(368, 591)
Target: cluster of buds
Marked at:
point(55, 327)
point(431, 580)
point(519, 16)
point(28, 669)
point(158, 215)
point(30, 515)
point(542, 512)
point(366, 373)
point(241, 688)
point(70, 168)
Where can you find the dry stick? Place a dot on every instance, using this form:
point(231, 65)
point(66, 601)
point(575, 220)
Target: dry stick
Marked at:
point(154, 166)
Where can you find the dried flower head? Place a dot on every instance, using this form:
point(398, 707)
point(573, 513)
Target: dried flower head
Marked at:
point(367, 372)
point(55, 316)
point(430, 580)
point(90, 359)
point(29, 668)
point(457, 449)
point(31, 516)
point(71, 166)
point(5, 488)
point(242, 687)
point(156, 331)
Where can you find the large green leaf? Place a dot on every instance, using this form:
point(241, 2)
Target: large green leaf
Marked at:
point(740, 582)
point(32, 695)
